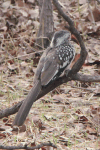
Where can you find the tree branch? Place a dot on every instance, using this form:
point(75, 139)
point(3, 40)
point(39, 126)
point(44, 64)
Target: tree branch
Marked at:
point(86, 78)
point(79, 77)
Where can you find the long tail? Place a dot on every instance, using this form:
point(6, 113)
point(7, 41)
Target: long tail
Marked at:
point(26, 105)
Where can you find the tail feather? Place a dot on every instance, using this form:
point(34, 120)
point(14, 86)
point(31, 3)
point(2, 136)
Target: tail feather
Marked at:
point(26, 105)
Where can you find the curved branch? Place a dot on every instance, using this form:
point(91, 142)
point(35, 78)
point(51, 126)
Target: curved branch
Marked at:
point(77, 66)
point(12, 110)
point(53, 85)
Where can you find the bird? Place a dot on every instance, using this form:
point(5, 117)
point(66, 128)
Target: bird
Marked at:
point(55, 59)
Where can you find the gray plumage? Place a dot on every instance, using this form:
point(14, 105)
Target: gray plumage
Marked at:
point(52, 63)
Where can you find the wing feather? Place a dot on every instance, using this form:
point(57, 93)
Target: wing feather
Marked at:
point(49, 70)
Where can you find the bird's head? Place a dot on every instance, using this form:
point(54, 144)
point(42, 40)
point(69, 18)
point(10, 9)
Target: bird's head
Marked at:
point(60, 37)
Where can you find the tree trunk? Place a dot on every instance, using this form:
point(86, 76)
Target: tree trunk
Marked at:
point(46, 28)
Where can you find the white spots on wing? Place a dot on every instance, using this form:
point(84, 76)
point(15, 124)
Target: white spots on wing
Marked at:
point(71, 54)
point(64, 64)
point(63, 55)
point(60, 57)
point(65, 59)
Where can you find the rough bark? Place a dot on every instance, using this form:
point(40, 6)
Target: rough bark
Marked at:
point(46, 28)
